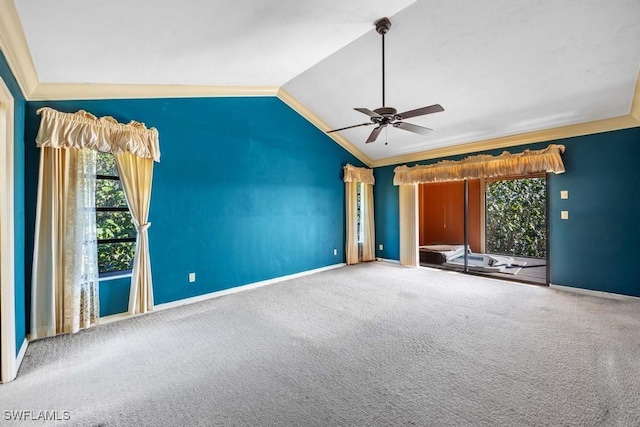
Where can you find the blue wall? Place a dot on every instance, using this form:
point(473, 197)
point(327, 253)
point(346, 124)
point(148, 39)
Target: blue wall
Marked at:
point(18, 153)
point(595, 248)
point(246, 190)
point(114, 296)
point(387, 215)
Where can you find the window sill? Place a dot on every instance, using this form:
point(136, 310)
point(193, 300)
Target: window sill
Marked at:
point(115, 276)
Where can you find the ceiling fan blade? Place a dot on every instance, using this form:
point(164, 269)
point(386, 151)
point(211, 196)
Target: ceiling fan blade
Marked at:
point(436, 108)
point(374, 134)
point(413, 128)
point(349, 127)
point(368, 112)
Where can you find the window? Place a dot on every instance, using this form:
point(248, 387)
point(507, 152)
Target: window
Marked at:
point(115, 231)
point(359, 200)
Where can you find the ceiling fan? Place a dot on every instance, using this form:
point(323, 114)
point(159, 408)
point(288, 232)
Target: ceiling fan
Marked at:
point(384, 115)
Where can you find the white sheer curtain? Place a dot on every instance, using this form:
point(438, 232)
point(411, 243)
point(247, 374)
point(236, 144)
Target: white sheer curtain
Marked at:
point(65, 272)
point(369, 235)
point(82, 304)
point(353, 176)
point(351, 209)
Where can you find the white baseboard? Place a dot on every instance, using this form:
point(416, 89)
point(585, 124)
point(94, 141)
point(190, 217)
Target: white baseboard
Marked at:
point(589, 292)
point(21, 353)
point(168, 305)
point(392, 261)
point(116, 317)
point(242, 288)
point(18, 362)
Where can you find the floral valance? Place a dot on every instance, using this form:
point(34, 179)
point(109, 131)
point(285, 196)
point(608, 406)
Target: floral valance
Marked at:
point(354, 174)
point(84, 130)
point(484, 166)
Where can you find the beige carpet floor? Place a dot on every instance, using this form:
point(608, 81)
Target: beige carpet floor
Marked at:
point(366, 345)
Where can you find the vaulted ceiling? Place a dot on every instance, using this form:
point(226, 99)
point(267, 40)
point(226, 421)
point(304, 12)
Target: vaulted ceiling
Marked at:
point(506, 72)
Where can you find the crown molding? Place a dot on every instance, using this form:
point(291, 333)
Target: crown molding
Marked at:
point(305, 112)
point(65, 91)
point(13, 44)
point(635, 102)
point(588, 128)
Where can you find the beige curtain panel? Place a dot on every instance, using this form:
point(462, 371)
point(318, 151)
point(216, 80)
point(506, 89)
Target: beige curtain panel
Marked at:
point(408, 209)
point(484, 166)
point(355, 174)
point(84, 130)
point(136, 174)
point(64, 288)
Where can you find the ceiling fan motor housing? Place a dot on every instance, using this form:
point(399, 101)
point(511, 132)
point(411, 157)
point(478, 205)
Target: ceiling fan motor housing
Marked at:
point(388, 114)
point(386, 111)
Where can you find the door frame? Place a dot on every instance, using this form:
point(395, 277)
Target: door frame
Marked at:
point(8, 359)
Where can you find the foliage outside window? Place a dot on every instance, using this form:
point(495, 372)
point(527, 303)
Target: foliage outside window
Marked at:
point(115, 231)
point(359, 213)
point(516, 211)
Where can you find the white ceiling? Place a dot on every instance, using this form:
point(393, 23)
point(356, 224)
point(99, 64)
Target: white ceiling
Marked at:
point(497, 67)
point(191, 42)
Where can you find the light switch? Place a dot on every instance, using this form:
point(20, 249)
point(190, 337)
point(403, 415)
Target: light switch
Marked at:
point(564, 214)
point(564, 194)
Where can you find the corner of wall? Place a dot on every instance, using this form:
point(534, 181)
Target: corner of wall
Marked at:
point(13, 44)
point(305, 112)
point(635, 102)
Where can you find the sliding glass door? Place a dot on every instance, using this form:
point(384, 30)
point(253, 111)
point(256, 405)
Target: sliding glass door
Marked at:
point(493, 227)
point(516, 225)
point(441, 223)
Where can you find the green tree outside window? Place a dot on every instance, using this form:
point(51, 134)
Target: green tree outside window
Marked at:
point(515, 220)
point(115, 231)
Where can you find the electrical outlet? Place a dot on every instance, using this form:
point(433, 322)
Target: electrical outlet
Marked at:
point(381, 247)
point(192, 277)
point(564, 214)
point(335, 252)
point(564, 194)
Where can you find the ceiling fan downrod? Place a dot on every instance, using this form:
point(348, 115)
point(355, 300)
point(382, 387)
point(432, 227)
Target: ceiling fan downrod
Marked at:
point(385, 116)
point(382, 27)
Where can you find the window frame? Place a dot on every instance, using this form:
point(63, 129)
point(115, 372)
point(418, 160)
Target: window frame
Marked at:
point(115, 274)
